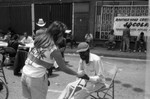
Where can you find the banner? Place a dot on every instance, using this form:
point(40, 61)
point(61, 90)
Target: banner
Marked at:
point(138, 24)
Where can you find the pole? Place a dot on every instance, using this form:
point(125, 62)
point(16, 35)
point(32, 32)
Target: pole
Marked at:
point(73, 20)
point(147, 74)
point(33, 18)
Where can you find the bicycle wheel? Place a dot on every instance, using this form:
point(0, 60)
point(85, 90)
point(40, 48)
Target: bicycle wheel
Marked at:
point(3, 90)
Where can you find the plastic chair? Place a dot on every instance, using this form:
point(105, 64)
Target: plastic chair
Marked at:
point(1, 68)
point(110, 72)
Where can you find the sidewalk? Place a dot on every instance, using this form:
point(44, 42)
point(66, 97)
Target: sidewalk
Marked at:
point(101, 51)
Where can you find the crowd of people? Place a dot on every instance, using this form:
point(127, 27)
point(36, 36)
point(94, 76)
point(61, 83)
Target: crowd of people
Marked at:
point(42, 56)
point(48, 52)
point(139, 42)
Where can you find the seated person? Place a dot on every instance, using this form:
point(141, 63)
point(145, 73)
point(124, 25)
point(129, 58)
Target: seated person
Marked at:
point(27, 39)
point(140, 43)
point(7, 37)
point(111, 40)
point(89, 64)
point(89, 39)
point(13, 45)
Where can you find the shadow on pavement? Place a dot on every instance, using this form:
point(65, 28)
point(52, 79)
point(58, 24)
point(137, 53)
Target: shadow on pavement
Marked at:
point(53, 75)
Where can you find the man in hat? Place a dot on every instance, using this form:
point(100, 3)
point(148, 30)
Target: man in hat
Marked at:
point(89, 64)
point(41, 25)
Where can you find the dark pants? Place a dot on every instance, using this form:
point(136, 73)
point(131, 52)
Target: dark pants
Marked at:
point(140, 46)
point(126, 44)
point(19, 61)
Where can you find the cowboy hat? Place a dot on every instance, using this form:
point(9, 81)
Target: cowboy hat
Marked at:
point(41, 23)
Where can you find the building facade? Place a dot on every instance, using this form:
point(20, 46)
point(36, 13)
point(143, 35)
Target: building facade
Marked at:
point(81, 16)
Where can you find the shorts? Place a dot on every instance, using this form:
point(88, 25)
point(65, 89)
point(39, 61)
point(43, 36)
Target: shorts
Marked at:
point(34, 88)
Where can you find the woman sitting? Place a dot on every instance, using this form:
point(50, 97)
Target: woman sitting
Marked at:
point(111, 40)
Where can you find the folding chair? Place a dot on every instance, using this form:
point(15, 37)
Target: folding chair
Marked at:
point(110, 72)
point(1, 68)
point(75, 89)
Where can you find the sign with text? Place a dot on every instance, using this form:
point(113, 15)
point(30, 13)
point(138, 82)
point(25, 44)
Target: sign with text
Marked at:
point(138, 24)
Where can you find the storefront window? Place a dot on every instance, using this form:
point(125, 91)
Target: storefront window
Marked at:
point(107, 11)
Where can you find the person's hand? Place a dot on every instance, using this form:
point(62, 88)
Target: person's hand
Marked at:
point(85, 76)
point(82, 75)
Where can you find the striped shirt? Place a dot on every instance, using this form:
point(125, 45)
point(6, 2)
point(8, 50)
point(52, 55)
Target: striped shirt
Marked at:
point(36, 64)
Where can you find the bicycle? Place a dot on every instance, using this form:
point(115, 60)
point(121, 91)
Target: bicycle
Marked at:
point(3, 90)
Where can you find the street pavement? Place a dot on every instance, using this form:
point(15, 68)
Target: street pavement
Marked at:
point(129, 83)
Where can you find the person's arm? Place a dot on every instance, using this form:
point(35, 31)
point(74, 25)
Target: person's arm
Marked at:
point(31, 40)
point(138, 38)
point(99, 73)
point(129, 34)
point(20, 43)
point(23, 40)
point(59, 60)
point(91, 36)
point(81, 68)
point(86, 36)
point(144, 38)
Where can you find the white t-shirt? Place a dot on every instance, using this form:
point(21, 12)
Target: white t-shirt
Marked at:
point(27, 40)
point(33, 69)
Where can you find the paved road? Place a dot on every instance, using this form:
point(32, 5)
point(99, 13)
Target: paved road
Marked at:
point(129, 84)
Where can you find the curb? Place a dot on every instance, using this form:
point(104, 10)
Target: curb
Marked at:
point(114, 55)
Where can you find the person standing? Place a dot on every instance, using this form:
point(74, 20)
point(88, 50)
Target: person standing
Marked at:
point(126, 38)
point(40, 58)
point(41, 24)
point(89, 39)
point(89, 64)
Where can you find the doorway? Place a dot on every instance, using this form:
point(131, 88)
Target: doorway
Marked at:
point(81, 21)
